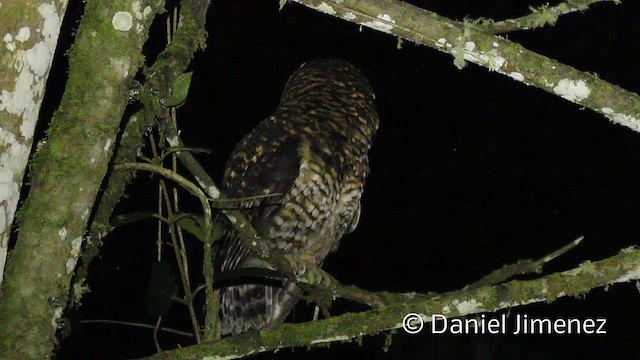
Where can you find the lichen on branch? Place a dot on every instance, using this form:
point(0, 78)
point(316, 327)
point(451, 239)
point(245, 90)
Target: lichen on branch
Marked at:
point(493, 52)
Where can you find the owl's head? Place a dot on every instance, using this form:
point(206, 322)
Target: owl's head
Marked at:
point(333, 85)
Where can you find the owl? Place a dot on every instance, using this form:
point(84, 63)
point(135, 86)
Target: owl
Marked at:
point(301, 172)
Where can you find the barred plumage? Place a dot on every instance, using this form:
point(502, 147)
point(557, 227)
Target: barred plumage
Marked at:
point(312, 151)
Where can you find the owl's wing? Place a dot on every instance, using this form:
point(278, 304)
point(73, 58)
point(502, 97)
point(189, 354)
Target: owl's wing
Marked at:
point(271, 168)
point(269, 173)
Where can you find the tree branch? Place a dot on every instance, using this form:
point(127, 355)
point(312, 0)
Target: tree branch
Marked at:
point(540, 16)
point(67, 171)
point(522, 267)
point(471, 43)
point(620, 268)
point(20, 104)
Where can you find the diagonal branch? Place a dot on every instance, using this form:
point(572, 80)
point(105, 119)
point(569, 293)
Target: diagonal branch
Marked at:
point(471, 43)
point(620, 268)
point(522, 267)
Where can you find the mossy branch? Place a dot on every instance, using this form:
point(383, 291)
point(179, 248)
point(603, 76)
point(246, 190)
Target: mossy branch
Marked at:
point(388, 309)
point(619, 268)
point(131, 142)
point(540, 16)
point(66, 174)
point(172, 62)
point(488, 50)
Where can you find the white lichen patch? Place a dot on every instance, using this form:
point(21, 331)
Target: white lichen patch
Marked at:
point(107, 145)
point(331, 339)
point(441, 42)
point(12, 160)
point(122, 21)
point(232, 219)
point(325, 8)
point(57, 314)
point(572, 90)
point(62, 234)
point(79, 289)
point(446, 310)
point(468, 307)
point(32, 65)
point(631, 275)
point(140, 14)
point(491, 59)
point(516, 76)
point(469, 46)
point(386, 25)
point(76, 244)
point(426, 318)
point(173, 141)
point(8, 39)
point(349, 16)
point(227, 357)
point(23, 34)
point(629, 249)
point(3, 259)
point(51, 26)
point(121, 66)
point(137, 9)
point(629, 121)
point(504, 305)
point(213, 192)
point(495, 44)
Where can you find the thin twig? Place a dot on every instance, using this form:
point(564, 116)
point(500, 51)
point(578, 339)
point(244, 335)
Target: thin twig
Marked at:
point(154, 150)
point(140, 325)
point(539, 17)
point(239, 199)
point(187, 185)
point(180, 254)
point(155, 334)
point(178, 248)
point(522, 267)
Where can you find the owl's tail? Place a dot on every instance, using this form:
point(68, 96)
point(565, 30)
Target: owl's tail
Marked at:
point(252, 306)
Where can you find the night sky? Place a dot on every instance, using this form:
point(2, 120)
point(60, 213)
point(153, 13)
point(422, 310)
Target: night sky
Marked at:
point(470, 170)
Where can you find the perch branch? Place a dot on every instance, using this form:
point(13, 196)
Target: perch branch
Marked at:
point(619, 268)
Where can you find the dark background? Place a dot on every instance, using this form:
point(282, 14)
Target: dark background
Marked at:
point(470, 170)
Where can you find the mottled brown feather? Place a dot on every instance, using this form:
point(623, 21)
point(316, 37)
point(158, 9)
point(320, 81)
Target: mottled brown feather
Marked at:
point(312, 150)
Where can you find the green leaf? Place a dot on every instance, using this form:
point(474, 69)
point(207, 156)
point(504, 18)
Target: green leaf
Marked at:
point(125, 219)
point(162, 288)
point(179, 90)
point(193, 225)
point(216, 232)
point(281, 4)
